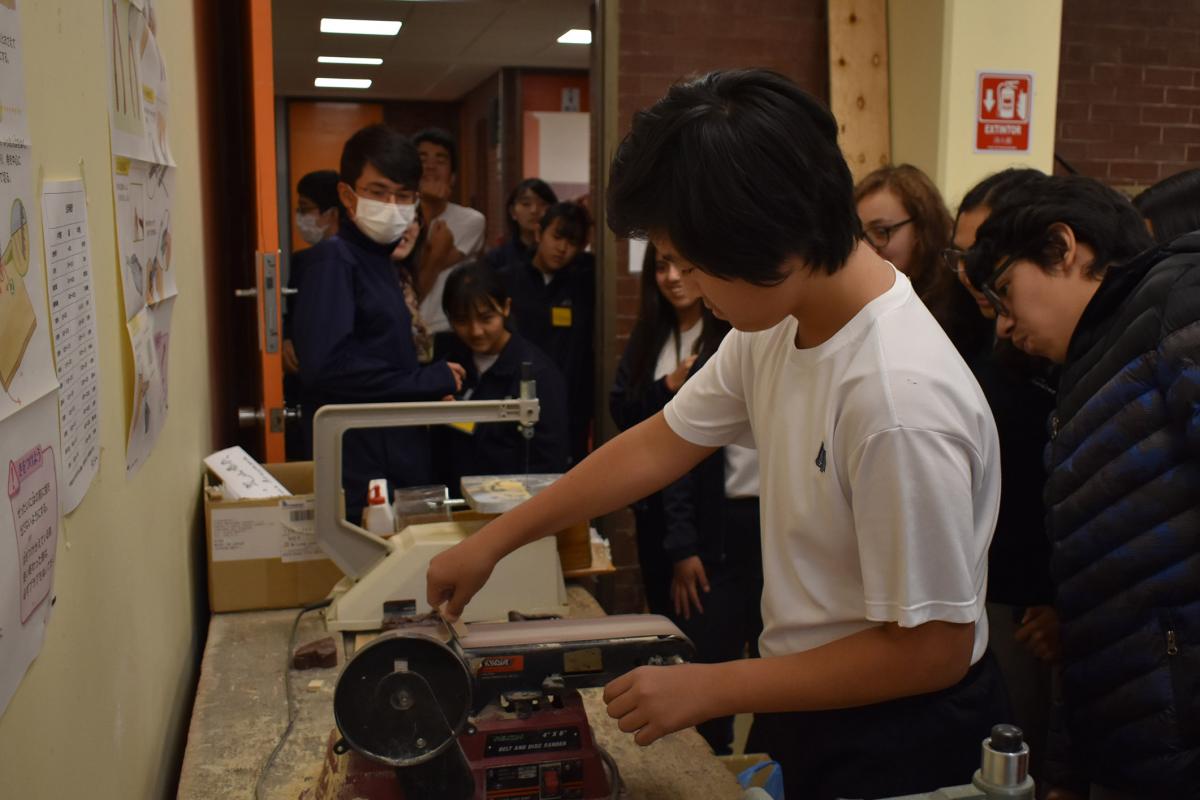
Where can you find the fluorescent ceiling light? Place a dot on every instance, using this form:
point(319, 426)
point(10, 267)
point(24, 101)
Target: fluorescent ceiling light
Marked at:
point(342, 83)
point(372, 27)
point(348, 60)
point(576, 36)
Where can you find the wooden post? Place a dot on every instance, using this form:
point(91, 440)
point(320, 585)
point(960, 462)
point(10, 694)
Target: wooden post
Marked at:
point(858, 82)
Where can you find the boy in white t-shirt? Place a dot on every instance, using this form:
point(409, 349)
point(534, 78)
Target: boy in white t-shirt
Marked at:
point(878, 456)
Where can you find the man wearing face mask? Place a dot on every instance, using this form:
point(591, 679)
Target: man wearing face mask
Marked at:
point(316, 219)
point(354, 331)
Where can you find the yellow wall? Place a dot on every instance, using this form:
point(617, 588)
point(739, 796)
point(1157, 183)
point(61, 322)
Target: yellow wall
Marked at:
point(955, 39)
point(102, 710)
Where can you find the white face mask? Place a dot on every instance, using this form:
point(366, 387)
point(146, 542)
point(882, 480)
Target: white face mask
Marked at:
point(310, 229)
point(383, 223)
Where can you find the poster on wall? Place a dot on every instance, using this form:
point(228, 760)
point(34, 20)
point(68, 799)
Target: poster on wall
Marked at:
point(150, 337)
point(73, 323)
point(26, 364)
point(143, 194)
point(29, 521)
point(137, 82)
point(13, 126)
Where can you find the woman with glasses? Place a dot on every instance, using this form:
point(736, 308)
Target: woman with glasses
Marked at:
point(905, 220)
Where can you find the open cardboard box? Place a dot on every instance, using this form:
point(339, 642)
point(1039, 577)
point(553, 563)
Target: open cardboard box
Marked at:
point(263, 553)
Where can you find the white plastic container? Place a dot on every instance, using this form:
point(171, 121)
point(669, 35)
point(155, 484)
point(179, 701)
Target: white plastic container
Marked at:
point(377, 516)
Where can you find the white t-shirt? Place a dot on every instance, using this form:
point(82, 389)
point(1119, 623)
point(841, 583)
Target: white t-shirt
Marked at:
point(467, 227)
point(880, 471)
point(669, 357)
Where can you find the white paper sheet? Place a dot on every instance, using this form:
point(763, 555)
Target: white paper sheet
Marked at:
point(143, 195)
point(13, 126)
point(73, 319)
point(29, 520)
point(149, 337)
point(137, 83)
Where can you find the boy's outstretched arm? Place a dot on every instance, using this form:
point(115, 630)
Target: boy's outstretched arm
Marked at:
point(871, 666)
point(640, 461)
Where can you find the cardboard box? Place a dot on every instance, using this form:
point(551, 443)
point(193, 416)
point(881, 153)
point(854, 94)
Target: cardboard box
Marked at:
point(265, 553)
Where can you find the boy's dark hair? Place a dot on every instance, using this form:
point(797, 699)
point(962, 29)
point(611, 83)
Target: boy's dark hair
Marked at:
point(538, 187)
point(441, 138)
point(1019, 226)
point(741, 170)
point(988, 191)
point(574, 222)
point(1172, 206)
point(471, 287)
point(321, 188)
point(387, 150)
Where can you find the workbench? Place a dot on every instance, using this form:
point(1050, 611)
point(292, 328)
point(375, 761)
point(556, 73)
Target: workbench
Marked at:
point(240, 713)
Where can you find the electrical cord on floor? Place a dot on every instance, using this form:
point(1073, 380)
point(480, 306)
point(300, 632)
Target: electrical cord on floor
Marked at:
point(615, 773)
point(265, 769)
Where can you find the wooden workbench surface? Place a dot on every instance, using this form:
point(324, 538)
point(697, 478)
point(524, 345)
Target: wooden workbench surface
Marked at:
point(240, 712)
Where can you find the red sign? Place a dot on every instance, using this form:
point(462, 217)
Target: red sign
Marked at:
point(1003, 108)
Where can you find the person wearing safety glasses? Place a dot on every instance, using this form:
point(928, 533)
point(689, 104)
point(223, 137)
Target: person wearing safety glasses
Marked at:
point(1073, 276)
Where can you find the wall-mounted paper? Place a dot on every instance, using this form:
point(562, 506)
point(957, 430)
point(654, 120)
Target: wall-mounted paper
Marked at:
point(13, 126)
point(73, 318)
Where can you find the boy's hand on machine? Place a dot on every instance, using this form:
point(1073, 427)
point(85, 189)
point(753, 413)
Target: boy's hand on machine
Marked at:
point(656, 701)
point(455, 575)
point(689, 580)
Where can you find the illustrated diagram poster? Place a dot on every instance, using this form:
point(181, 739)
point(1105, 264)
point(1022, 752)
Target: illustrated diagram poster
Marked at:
point(29, 520)
point(73, 321)
point(150, 338)
point(26, 365)
point(13, 127)
point(137, 85)
point(143, 193)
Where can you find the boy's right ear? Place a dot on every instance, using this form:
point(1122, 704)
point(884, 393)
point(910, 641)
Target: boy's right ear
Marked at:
point(348, 197)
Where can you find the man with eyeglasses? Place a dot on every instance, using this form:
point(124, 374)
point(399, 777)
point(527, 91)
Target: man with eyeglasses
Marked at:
point(1071, 273)
point(353, 332)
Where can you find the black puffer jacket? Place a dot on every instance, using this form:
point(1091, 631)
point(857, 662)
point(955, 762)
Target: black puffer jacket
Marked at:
point(1123, 514)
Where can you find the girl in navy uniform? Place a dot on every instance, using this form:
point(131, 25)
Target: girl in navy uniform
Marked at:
point(526, 206)
point(478, 307)
point(353, 333)
point(553, 302)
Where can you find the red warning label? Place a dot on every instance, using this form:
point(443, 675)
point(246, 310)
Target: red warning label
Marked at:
point(1003, 110)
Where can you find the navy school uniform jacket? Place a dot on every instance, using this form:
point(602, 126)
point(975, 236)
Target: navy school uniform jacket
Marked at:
point(558, 318)
point(353, 337)
point(499, 448)
point(509, 255)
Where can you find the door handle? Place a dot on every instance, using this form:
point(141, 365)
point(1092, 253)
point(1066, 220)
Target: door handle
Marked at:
point(251, 292)
point(288, 291)
point(249, 417)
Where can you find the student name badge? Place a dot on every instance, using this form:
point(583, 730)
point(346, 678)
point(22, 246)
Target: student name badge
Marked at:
point(560, 316)
point(465, 427)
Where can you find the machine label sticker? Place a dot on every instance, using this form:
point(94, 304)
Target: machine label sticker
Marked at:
point(550, 780)
point(501, 665)
point(546, 740)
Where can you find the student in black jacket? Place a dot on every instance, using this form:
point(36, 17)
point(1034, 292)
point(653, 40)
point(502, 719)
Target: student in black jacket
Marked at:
point(478, 307)
point(526, 206)
point(554, 300)
point(672, 327)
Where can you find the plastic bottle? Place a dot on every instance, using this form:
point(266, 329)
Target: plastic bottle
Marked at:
point(377, 516)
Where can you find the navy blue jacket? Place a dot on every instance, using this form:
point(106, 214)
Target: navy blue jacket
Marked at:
point(558, 317)
point(353, 337)
point(499, 448)
point(509, 255)
point(1123, 514)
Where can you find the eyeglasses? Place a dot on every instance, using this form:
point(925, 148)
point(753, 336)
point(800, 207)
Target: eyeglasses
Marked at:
point(998, 297)
point(404, 197)
point(954, 259)
point(878, 236)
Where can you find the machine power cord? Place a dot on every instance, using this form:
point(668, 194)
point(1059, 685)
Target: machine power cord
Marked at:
point(615, 773)
point(287, 690)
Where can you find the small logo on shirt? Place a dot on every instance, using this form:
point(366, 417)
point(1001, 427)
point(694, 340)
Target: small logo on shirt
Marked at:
point(820, 462)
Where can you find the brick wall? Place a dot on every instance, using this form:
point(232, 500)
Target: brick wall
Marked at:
point(1129, 89)
point(661, 41)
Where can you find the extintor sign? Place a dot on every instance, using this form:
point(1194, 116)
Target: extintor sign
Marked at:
point(1003, 108)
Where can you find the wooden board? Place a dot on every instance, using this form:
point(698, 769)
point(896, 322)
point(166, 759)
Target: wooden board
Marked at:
point(858, 82)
